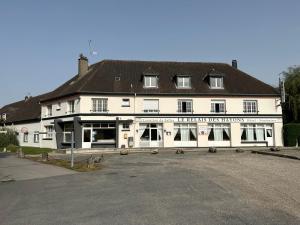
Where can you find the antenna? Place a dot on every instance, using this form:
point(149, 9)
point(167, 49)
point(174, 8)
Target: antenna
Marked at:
point(92, 52)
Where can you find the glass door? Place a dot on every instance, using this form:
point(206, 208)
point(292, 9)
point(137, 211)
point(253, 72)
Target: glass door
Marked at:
point(87, 138)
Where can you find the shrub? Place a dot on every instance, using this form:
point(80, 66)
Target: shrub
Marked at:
point(291, 134)
point(9, 138)
point(12, 148)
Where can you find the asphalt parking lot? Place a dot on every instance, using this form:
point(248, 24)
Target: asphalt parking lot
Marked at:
point(194, 188)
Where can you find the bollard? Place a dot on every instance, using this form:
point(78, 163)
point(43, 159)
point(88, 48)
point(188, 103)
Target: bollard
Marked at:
point(212, 150)
point(45, 156)
point(124, 152)
point(20, 153)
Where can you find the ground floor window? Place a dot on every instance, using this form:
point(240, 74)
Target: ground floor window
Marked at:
point(67, 135)
point(101, 133)
point(49, 132)
point(25, 137)
point(256, 132)
point(185, 132)
point(151, 135)
point(218, 132)
point(36, 137)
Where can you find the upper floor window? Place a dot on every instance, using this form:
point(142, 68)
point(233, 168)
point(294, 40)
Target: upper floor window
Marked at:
point(183, 82)
point(216, 82)
point(49, 110)
point(99, 104)
point(125, 102)
point(218, 106)
point(151, 105)
point(250, 106)
point(58, 106)
point(71, 106)
point(150, 81)
point(185, 106)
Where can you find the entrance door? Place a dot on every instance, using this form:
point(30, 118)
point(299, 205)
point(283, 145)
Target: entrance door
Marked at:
point(87, 138)
point(269, 136)
point(151, 135)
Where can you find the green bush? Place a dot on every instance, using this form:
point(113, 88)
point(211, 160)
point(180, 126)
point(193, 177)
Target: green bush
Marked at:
point(9, 138)
point(12, 148)
point(291, 134)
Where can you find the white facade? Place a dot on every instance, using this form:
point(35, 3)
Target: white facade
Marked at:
point(165, 126)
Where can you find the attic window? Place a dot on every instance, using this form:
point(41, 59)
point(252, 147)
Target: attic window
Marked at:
point(183, 82)
point(117, 78)
point(3, 116)
point(216, 82)
point(150, 81)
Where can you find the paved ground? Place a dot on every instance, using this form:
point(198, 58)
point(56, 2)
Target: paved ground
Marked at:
point(12, 168)
point(194, 188)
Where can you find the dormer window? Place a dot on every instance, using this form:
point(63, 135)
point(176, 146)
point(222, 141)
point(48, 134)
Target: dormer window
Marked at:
point(216, 82)
point(150, 81)
point(183, 82)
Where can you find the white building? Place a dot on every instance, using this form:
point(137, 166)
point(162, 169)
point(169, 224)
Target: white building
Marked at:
point(139, 104)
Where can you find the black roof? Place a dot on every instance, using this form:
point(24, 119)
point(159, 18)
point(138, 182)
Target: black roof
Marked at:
point(101, 80)
point(23, 111)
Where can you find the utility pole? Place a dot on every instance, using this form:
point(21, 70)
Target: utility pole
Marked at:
point(72, 147)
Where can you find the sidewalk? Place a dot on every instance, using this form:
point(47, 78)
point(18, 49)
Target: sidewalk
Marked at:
point(13, 168)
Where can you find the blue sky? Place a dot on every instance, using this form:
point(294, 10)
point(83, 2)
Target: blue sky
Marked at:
point(40, 40)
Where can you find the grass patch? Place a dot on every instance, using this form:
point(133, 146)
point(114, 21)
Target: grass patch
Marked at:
point(35, 150)
point(78, 166)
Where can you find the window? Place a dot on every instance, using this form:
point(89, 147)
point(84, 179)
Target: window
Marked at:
point(151, 106)
point(150, 81)
point(255, 132)
point(216, 82)
point(58, 106)
point(151, 135)
point(250, 106)
point(99, 105)
point(125, 126)
point(36, 137)
point(218, 106)
point(49, 132)
point(183, 82)
point(125, 102)
point(49, 110)
point(185, 132)
point(25, 137)
point(218, 132)
point(71, 106)
point(3, 116)
point(185, 106)
point(67, 135)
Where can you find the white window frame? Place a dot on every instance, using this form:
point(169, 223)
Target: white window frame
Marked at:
point(99, 105)
point(180, 104)
point(125, 102)
point(36, 137)
point(252, 128)
point(71, 106)
point(150, 81)
point(216, 82)
point(183, 82)
point(25, 137)
point(49, 110)
point(213, 106)
point(250, 106)
point(49, 129)
point(220, 127)
point(147, 109)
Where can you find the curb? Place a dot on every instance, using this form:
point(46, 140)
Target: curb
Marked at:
point(276, 154)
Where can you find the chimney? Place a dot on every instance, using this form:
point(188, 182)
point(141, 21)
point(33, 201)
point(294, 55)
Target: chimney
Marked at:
point(234, 63)
point(83, 65)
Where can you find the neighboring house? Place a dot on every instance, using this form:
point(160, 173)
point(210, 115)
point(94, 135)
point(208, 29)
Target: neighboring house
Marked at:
point(134, 104)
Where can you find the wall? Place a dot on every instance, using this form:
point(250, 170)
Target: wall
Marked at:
point(31, 127)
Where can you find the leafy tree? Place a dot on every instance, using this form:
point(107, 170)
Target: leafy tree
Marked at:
point(9, 138)
point(291, 108)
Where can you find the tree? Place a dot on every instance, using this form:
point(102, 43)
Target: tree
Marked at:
point(291, 108)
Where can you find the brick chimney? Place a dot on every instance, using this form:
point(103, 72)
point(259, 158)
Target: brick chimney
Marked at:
point(83, 65)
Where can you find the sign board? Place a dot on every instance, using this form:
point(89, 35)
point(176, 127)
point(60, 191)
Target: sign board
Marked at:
point(198, 119)
point(202, 130)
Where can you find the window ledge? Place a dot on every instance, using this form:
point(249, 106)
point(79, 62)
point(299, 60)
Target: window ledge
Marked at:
point(47, 138)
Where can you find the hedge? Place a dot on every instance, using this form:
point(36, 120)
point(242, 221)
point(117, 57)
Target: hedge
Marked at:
point(10, 138)
point(291, 134)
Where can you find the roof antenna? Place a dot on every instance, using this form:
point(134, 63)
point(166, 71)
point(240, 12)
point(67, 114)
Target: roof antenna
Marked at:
point(92, 52)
